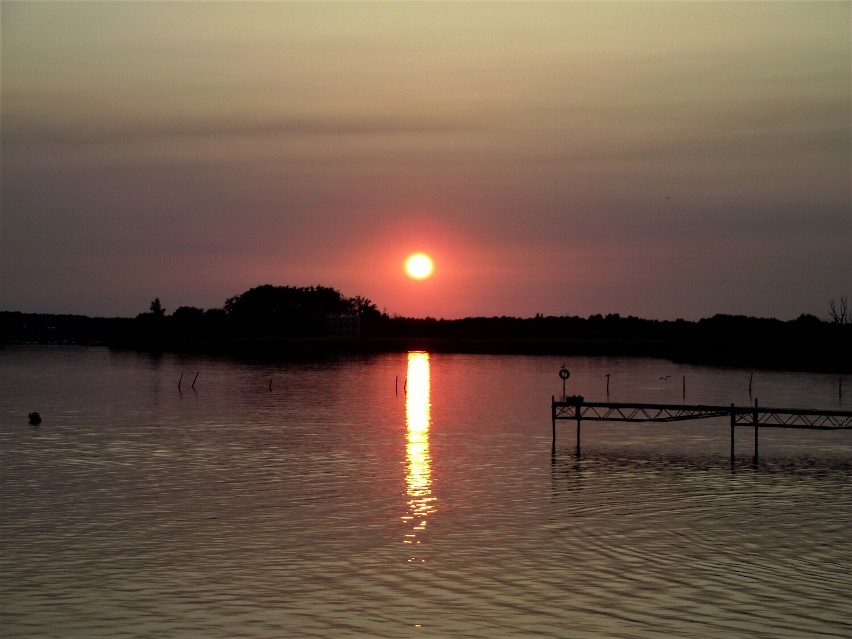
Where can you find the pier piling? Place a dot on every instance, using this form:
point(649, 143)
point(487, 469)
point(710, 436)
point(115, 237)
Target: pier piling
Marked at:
point(733, 428)
point(756, 429)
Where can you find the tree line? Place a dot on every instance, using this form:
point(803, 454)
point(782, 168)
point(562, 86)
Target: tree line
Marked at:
point(278, 321)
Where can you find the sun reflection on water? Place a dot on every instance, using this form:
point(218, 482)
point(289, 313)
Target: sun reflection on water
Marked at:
point(418, 461)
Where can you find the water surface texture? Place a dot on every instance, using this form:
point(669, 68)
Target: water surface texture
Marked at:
point(410, 496)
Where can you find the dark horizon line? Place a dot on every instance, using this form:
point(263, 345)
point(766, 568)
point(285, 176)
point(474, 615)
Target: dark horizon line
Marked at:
point(615, 316)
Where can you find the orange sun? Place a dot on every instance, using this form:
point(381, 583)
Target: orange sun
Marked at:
point(419, 266)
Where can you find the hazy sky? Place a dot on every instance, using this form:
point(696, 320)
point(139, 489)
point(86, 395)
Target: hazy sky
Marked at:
point(659, 159)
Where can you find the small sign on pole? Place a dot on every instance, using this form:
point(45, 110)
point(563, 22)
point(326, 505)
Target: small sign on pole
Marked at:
point(564, 374)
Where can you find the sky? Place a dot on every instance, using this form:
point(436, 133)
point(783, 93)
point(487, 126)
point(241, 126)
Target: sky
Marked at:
point(659, 159)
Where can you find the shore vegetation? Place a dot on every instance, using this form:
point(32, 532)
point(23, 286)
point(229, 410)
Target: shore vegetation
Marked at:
point(279, 322)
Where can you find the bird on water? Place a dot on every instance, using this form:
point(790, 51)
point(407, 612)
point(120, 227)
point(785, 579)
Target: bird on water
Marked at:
point(35, 418)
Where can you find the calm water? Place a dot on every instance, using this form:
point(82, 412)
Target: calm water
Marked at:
point(410, 496)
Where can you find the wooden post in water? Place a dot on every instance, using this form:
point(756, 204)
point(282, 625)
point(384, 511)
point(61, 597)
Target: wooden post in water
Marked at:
point(756, 420)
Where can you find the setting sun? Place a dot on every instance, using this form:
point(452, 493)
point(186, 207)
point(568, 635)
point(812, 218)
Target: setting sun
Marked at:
point(419, 266)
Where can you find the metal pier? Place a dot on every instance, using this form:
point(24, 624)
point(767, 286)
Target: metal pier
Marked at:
point(576, 408)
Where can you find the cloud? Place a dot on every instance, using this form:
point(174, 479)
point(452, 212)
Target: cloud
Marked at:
point(23, 129)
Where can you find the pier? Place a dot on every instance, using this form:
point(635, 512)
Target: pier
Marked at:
point(576, 408)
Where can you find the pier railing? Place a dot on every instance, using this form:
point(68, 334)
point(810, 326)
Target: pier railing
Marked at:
point(576, 408)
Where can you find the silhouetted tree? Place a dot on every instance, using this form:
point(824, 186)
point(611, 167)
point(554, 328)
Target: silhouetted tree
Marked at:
point(363, 307)
point(157, 309)
point(807, 320)
point(285, 310)
point(372, 321)
point(838, 314)
point(188, 314)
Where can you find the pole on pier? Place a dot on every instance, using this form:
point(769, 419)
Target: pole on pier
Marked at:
point(755, 418)
point(733, 426)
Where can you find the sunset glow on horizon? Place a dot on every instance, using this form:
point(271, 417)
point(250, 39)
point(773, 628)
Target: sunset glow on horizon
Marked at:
point(664, 160)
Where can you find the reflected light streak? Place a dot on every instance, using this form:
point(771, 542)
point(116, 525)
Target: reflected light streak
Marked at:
point(418, 462)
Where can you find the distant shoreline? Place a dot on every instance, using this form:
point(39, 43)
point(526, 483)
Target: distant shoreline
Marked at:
point(752, 343)
point(758, 357)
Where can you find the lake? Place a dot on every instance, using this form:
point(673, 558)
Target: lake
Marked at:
point(411, 495)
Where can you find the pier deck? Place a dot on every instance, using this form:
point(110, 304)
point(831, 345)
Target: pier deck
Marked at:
point(576, 408)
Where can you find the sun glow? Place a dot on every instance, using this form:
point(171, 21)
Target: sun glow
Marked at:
point(419, 266)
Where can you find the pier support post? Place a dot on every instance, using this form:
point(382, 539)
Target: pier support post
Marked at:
point(733, 427)
point(577, 408)
point(553, 423)
point(756, 420)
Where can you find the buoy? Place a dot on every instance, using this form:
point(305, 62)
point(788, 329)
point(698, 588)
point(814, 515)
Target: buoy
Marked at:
point(35, 418)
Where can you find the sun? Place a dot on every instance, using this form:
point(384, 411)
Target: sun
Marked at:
point(419, 266)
